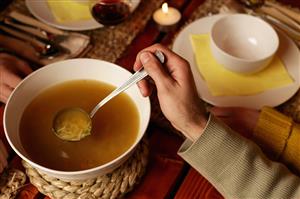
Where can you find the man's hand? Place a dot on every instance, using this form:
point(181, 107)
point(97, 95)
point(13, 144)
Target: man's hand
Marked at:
point(176, 90)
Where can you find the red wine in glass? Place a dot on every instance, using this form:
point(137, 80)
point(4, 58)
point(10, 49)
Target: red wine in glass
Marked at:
point(110, 12)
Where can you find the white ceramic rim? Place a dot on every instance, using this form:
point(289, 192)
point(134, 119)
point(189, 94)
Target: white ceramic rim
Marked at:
point(81, 172)
point(75, 26)
point(271, 53)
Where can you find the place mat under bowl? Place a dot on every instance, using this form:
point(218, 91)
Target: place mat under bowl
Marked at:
point(111, 185)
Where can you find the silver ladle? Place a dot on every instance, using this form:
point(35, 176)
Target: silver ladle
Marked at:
point(73, 124)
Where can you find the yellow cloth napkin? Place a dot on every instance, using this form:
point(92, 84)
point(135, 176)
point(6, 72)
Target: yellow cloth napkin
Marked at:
point(69, 10)
point(222, 82)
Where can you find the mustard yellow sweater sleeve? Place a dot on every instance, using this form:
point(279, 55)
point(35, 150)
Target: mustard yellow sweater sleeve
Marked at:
point(291, 155)
point(237, 167)
point(279, 138)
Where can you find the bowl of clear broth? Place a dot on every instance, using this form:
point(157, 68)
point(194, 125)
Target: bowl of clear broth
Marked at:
point(117, 127)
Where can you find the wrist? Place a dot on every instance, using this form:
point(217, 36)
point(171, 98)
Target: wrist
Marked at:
point(194, 129)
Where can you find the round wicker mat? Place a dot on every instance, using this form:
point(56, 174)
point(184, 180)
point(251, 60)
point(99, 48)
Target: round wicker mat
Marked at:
point(111, 185)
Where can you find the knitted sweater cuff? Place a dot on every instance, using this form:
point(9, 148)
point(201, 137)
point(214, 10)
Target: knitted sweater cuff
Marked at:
point(272, 132)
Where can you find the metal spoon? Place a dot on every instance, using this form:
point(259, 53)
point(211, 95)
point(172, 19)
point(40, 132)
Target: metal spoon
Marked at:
point(73, 124)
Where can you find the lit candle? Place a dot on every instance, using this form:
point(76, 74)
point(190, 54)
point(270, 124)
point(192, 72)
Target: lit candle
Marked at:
point(166, 16)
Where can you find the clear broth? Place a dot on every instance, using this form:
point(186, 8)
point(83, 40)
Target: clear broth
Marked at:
point(114, 130)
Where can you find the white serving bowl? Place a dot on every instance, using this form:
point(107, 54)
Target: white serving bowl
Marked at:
point(60, 72)
point(243, 43)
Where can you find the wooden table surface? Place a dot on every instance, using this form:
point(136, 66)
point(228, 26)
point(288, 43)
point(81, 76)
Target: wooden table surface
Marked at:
point(167, 175)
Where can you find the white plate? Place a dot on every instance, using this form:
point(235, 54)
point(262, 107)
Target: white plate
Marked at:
point(41, 11)
point(288, 53)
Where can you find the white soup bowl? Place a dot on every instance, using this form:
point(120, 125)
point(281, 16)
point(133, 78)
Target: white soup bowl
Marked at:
point(59, 72)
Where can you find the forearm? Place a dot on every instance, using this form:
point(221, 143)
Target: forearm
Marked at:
point(237, 167)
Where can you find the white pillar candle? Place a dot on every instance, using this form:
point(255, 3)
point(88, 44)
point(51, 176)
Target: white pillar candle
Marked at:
point(166, 16)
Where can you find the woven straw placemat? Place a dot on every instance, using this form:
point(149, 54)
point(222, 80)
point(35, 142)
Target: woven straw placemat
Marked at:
point(111, 185)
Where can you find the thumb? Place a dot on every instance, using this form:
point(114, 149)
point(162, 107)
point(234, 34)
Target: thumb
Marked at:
point(154, 69)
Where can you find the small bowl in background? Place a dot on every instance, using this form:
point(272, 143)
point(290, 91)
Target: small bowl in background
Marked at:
point(243, 43)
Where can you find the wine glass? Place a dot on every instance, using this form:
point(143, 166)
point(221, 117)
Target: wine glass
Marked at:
point(110, 12)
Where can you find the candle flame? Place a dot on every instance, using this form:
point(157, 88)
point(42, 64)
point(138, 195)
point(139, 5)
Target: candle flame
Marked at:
point(165, 8)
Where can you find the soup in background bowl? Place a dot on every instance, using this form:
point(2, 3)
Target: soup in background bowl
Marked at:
point(80, 83)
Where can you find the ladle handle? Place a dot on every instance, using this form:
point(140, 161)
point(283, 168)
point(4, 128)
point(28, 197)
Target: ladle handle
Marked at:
point(136, 77)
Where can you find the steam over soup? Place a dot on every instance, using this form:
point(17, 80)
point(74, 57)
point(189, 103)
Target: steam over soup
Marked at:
point(114, 127)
